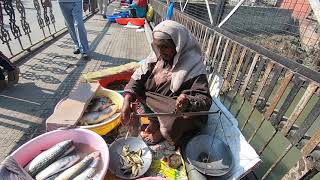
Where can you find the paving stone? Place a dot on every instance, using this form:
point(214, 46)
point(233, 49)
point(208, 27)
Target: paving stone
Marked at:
point(50, 74)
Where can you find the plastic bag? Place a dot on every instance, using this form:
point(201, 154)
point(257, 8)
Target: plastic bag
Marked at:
point(150, 13)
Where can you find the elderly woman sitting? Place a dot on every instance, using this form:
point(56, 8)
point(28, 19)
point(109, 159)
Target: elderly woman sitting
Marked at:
point(172, 78)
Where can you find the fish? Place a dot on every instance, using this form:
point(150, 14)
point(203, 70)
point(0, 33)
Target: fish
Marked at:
point(58, 166)
point(98, 104)
point(104, 114)
point(69, 151)
point(89, 117)
point(53, 177)
point(131, 161)
point(90, 171)
point(111, 117)
point(76, 169)
point(47, 157)
point(108, 112)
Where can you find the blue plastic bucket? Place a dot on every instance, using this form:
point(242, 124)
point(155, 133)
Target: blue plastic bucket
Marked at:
point(124, 14)
point(113, 18)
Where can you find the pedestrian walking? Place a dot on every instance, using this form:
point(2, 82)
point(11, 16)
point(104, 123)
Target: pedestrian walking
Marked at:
point(102, 5)
point(11, 70)
point(72, 11)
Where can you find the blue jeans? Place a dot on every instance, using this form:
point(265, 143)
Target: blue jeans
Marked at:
point(73, 15)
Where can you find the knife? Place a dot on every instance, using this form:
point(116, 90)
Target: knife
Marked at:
point(176, 114)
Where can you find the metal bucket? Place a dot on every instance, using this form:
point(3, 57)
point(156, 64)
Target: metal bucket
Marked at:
point(209, 155)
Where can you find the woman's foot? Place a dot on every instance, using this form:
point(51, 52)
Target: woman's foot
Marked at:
point(152, 138)
point(152, 127)
point(152, 135)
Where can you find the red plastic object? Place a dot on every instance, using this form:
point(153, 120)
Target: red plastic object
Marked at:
point(124, 76)
point(134, 21)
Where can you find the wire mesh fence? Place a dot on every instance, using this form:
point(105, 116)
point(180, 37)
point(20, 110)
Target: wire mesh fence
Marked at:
point(290, 28)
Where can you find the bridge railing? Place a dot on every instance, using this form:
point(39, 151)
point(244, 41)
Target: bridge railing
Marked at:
point(26, 25)
point(275, 99)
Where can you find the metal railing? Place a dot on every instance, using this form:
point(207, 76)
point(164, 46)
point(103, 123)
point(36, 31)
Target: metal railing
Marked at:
point(276, 100)
point(26, 25)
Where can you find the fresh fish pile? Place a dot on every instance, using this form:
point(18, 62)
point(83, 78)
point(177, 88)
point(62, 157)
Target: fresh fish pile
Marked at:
point(58, 166)
point(90, 172)
point(78, 168)
point(47, 157)
point(100, 109)
point(130, 161)
point(61, 162)
point(98, 104)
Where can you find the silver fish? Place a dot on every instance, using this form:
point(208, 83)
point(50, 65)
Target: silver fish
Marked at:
point(111, 117)
point(58, 166)
point(97, 117)
point(53, 176)
point(69, 151)
point(90, 172)
point(98, 103)
point(104, 114)
point(78, 168)
point(89, 117)
point(47, 157)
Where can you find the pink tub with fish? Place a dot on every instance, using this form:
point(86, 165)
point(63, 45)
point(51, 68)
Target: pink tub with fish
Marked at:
point(85, 141)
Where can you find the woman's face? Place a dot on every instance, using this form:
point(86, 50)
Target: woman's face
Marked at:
point(164, 49)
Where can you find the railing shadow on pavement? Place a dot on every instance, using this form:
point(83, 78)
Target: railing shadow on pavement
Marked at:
point(74, 69)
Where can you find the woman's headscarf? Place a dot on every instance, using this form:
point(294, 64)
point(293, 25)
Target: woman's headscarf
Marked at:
point(187, 63)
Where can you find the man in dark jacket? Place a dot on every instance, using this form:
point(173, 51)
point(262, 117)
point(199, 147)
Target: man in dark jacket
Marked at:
point(12, 71)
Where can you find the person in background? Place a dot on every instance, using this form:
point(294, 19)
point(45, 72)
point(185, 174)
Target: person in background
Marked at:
point(72, 11)
point(172, 78)
point(138, 8)
point(12, 71)
point(102, 5)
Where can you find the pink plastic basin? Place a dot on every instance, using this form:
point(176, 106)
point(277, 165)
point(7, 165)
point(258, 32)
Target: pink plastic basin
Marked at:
point(92, 142)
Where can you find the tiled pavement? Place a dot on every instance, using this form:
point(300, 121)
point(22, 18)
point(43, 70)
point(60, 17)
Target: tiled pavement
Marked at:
point(51, 73)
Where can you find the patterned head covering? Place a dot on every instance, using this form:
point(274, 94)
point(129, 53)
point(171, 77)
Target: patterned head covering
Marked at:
point(187, 62)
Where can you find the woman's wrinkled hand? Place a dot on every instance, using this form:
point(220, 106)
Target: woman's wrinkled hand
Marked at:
point(126, 110)
point(182, 103)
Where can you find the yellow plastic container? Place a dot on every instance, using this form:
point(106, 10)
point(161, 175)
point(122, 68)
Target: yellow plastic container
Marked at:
point(105, 127)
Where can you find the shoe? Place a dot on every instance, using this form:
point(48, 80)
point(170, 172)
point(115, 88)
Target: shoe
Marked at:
point(104, 16)
point(77, 51)
point(13, 76)
point(3, 84)
point(85, 56)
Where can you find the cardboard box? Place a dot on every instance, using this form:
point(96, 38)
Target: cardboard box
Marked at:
point(69, 111)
